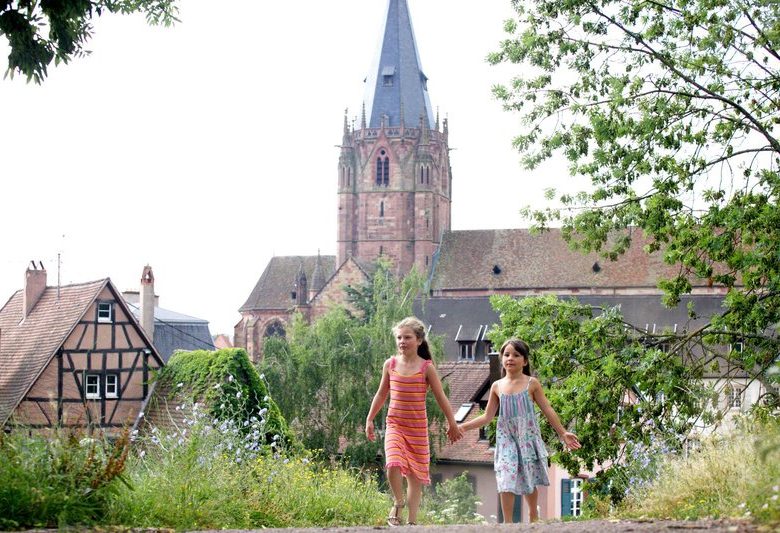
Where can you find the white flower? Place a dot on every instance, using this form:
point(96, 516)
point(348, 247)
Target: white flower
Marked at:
point(265, 398)
point(776, 488)
point(741, 505)
point(141, 414)
point(179, 385)
point(765, 506)
point(774, 498)
point(238, 394)
point(262, 376)
point(141, 453)
point(230, 377)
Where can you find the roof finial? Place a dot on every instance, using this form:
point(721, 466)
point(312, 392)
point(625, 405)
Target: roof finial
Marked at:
point(363, 118)
point(346, 122)
point(437, 118)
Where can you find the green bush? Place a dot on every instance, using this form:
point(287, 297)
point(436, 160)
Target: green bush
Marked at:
point(452, 502)
point(59, 478)
point(736, 475)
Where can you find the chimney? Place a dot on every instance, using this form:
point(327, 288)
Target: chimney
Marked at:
point(495, 366)
point(34, 285)
point(147, 302)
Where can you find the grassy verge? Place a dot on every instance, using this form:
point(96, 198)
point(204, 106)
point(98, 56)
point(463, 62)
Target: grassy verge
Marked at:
point(734, 476)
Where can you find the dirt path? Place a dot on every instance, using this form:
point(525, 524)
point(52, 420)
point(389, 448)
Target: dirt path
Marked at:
point(594, 526)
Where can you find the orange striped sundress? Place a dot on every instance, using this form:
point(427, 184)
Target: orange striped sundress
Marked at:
point(406, 427)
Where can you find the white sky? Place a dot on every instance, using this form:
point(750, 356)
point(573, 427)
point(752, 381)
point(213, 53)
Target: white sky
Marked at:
point(207, 148)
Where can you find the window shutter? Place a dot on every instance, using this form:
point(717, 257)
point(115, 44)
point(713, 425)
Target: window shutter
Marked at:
point(565, 497)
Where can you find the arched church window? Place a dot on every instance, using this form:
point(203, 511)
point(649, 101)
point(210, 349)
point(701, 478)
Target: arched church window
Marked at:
point(422, 174)
point(383, 169)
point(275, 329)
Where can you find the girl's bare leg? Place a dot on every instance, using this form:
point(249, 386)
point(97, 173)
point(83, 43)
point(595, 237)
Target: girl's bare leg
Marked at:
point(531, 500)
point(507, 506)
point(413, 497)
point(396, 481)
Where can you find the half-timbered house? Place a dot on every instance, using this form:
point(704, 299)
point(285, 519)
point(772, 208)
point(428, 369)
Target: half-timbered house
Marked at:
point(72, 356)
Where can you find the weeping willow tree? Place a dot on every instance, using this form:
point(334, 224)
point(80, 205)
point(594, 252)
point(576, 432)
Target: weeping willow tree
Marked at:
point(324, 375)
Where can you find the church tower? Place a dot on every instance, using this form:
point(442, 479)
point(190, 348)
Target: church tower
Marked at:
point(394, 176)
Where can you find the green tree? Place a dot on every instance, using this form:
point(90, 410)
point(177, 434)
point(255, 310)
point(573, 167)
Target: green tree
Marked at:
point(324, 374)
point(671, 110)
point(606, 381)
point(40, 32)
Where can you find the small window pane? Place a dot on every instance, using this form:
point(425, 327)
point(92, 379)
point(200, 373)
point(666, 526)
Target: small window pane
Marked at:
point(112, 386)
point(105, 312)
point(92, 386)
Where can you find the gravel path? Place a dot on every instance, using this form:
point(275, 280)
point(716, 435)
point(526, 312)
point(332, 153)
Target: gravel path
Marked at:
point(585, 526)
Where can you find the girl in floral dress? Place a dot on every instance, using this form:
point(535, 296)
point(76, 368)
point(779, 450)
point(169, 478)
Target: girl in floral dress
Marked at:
point(520, 456)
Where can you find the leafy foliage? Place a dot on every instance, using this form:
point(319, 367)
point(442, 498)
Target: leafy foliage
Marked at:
point(671, 110)
point(57, 30)
point(227, 383)
point(56, 479)
point(453, 501)
point(324, 374)
point(603, 379)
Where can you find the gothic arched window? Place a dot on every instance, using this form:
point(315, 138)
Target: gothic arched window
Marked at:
point(275, 329)
point(383, 169)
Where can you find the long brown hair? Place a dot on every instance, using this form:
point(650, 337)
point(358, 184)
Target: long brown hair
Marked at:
point(417, 326)
point(522, 348)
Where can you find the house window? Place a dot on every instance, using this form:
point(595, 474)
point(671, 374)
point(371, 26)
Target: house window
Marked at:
point(571, 497)
point(576, 497)
point(737, 347)
point(92, 386)
point(463, 412)
point(466, 351)
point(735, 393)
point(105, 312)
point(112, 386)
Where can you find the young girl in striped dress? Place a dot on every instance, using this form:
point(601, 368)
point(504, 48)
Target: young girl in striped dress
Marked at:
point(520, 455)
point(406, 377)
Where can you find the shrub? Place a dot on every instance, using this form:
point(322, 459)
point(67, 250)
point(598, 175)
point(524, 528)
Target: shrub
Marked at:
point(737, 475)
point(59, 478)
point(452, 502)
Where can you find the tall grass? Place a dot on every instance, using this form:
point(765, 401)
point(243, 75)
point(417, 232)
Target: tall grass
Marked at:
point(737, 476)
point(65, 477)
point(213, 474)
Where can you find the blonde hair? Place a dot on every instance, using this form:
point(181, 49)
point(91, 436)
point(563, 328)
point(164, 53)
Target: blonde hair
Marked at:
point(416, 325)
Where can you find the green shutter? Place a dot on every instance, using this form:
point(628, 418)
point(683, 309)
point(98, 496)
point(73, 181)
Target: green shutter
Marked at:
point(565, 497)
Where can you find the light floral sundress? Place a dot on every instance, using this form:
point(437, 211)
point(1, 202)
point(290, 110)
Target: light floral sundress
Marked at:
point(520, 455)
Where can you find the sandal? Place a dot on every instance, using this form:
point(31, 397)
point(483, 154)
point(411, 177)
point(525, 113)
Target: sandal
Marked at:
point(394, 518)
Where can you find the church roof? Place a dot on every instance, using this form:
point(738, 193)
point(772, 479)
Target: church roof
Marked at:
point(272, 290)
point(516, 259)
point(397, 77)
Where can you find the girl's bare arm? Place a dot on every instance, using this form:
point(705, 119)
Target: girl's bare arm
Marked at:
point(537, 393)
point(379, 400)
point(453, 432)
point(490, 411)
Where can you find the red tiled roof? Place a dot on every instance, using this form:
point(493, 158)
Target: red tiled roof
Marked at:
point(468, 260)
point(466, 381)
point(26, 347)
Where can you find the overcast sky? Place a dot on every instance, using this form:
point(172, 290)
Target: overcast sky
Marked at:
point(207, 148)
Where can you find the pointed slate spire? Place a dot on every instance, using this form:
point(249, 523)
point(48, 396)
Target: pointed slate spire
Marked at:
point(318, 276)
point(397, 75)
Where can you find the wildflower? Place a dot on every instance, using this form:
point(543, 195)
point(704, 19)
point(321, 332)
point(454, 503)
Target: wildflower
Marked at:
point(262, 376)
point(265, 398)
point(238, 394)
point(765, 506)
point(741, 505)
point(218, 385)
point(230, 378)
point(262, 411)
point(774, 498)
point(178, 407)
point(141, 453)
point(305, 461)
point(285, 461)
point(179, 385)
point(776, 488)
point(141, 414)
